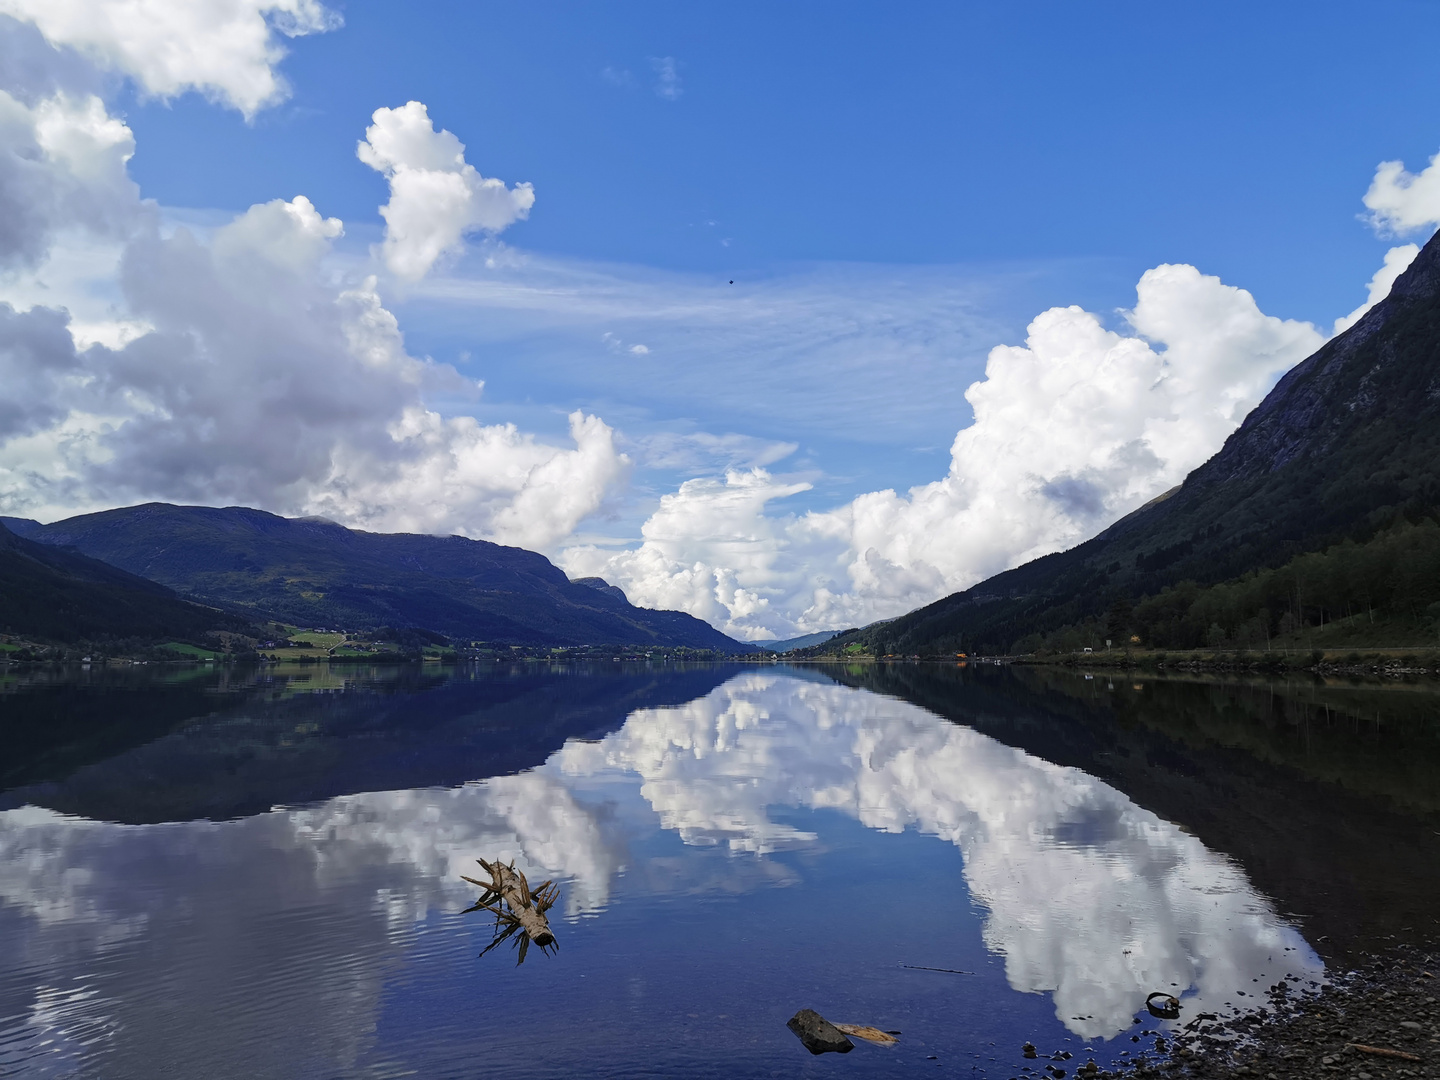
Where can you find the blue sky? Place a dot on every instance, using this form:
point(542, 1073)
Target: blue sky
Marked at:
point(782, 238)
point(1238, 137)
point(1063, 147)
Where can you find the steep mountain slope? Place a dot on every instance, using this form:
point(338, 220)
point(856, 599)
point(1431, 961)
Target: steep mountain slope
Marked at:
point(59, 595)
point(1347, 441)
point(316, 573)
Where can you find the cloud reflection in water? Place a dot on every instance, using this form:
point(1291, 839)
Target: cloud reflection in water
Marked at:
point(1085, 894)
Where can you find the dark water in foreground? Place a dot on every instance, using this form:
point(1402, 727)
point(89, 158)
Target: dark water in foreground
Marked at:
point(256, 873)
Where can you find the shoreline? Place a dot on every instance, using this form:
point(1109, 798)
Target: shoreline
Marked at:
point(1410, 660)
point(1377, 1021)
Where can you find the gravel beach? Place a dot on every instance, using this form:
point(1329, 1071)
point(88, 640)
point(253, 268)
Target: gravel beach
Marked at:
point(1377, 1021)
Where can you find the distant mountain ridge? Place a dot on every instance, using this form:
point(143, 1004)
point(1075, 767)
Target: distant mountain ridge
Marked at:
point(313, 572)
point(804, 641)
point(55, 594)
point(604, 586)
point(1346, 442)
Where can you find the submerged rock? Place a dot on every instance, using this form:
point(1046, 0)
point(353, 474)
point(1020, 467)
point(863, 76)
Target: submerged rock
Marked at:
point(818, 1034)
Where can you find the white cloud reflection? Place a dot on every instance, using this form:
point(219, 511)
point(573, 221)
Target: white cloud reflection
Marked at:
point(1086, 895)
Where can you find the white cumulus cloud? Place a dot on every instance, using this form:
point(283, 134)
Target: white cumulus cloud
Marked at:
point(260, 383)
point(62, 170)
point(226, 49)
point(1072, 430)
point(1404, 202)
point(435, 196)
point(238, 367)
point(1396, 260)
point(457, 475)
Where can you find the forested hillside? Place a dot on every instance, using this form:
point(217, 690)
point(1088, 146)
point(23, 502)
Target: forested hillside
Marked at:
point(1384, 592)
point(54, 595)
point(313, 572)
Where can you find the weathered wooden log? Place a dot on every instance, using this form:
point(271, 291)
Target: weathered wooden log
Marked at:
point(508, 896)
point(868, 1033)
point(1384, 1051)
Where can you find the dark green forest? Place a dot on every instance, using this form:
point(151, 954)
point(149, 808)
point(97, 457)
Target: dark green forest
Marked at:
point(1385, 591)
point(59, 595)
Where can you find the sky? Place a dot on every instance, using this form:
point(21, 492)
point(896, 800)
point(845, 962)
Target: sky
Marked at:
point(790, 316)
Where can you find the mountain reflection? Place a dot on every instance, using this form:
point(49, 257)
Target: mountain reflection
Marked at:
point(1085, 894)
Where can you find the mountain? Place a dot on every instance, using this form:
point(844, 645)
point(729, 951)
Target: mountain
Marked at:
point(21, 526)
point(604, 586)
point(804, 641)
point(55, 594)
point(313, 572)
point(1346, 446)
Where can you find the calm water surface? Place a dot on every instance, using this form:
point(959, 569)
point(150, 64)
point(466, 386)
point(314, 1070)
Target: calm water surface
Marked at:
point(257, 873)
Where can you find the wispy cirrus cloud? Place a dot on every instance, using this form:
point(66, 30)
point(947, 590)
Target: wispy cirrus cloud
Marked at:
point(875, 354)
point(617, 76)
point(703, 452)
point(667, 77)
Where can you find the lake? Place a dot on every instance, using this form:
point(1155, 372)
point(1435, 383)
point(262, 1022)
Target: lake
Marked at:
point(256, 872)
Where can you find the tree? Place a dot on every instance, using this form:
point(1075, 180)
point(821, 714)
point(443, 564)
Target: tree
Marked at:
point(1117, 619)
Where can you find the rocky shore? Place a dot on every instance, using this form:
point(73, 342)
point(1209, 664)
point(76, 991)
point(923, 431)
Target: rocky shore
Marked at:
point(1380, 1021)
point(1385, 664)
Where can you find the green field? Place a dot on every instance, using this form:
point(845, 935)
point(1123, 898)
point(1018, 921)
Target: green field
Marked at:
point(317, 640)
point(370, 649)
point(192, 651)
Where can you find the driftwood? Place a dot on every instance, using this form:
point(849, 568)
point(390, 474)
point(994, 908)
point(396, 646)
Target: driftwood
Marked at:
point(517, 909)
point(1381, 1051)
point(820, 1036)
point(868, 1033)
